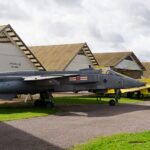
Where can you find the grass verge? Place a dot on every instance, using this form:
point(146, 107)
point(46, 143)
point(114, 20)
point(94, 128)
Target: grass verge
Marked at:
point(90, 100)
point(22, 111)
point(127, 141)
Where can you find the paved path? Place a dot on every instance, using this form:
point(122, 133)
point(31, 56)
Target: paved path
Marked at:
point(76, 125)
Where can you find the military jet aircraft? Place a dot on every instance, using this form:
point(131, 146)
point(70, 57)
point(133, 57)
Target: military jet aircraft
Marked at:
point(47, 82)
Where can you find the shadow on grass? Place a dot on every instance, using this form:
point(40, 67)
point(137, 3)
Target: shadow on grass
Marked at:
point(16, 139)
point(93, 100)
point(23, 107)
point(101, 110)
point(87, 106)
point(79, 100)
point(20, 110)
point(71, 106)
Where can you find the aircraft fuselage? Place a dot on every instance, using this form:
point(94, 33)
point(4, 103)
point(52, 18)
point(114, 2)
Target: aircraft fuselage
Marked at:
point(92, 80)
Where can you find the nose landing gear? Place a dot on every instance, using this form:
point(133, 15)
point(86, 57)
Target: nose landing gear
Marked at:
point(113, 102)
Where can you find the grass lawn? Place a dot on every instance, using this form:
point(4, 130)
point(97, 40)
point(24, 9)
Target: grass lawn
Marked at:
point(90, 100)
point(130, 141)
point(23, 111)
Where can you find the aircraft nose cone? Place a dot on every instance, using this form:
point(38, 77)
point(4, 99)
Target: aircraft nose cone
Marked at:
point(137, 83)
point(130, 83)
point(141, 84)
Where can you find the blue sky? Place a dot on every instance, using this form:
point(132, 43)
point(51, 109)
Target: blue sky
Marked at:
point(106, 26)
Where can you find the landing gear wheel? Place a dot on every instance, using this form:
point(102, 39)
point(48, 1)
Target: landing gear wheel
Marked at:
point(45, 101)
point(49, 104)
point(37, 103)
point(112, 102)
point(141, 96)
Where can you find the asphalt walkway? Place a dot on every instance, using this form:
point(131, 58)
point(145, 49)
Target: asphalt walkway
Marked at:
point(75, 125)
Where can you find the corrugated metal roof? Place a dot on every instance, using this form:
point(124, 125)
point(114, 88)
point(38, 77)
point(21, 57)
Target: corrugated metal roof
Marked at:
point(56, 57)
point(110, 59)
point(114, 58)
point(147, 71)
point(2, 27)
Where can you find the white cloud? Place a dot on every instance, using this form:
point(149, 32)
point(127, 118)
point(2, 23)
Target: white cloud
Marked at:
point(105, 25)
point(10, 10)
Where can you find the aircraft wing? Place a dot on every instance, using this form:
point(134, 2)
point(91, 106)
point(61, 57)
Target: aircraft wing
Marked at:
point(38, 78)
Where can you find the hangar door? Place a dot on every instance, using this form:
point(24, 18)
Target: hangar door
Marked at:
point(13, 59)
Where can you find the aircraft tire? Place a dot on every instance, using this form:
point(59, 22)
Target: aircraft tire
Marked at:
point(49, 104)
point(141, 96)
point(37, 103)
point(112, 102)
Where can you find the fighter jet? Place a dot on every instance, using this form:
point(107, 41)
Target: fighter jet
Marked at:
point(47, 82)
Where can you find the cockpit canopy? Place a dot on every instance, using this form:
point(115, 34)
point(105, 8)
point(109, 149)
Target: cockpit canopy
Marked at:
point(109, 71)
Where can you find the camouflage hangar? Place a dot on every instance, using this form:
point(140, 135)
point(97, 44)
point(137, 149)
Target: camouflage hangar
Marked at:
point(14, 54)
point(123, 62)
point(146, 73)
point(61, 57)
point(65, 57)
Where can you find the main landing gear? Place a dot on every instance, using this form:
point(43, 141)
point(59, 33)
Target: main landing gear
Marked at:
point(46, 100)
point(113, 102)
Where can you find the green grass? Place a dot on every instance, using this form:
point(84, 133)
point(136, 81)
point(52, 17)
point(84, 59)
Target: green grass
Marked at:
point(127, 141)
point(90, 100)
point(23, 111)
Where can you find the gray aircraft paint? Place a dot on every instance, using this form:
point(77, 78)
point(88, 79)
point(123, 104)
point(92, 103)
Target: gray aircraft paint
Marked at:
point(14, 82)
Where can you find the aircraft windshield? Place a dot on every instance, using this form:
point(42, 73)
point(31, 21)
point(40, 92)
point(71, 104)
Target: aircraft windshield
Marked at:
point(106, 71)
point(110, 72)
